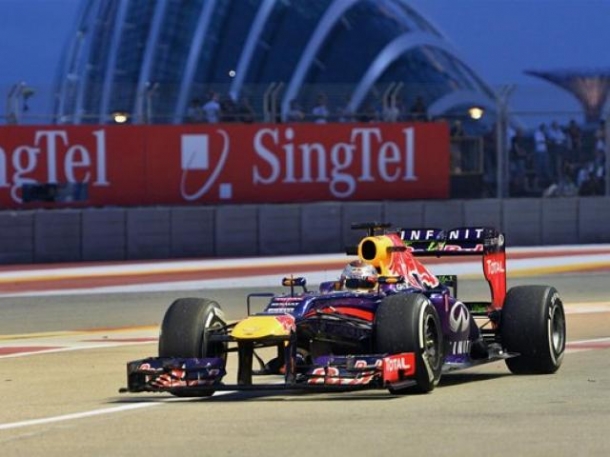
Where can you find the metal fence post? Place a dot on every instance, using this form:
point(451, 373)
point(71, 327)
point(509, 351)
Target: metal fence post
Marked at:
point(607, 147)
point(502, 123)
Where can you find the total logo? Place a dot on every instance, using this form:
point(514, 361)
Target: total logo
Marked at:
point(494, 267)
point(196, 157)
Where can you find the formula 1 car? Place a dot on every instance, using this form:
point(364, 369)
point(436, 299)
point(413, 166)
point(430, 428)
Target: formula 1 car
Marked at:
point(392, 325)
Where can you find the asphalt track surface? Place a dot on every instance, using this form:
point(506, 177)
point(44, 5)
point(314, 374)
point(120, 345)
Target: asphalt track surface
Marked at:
point(66, 333)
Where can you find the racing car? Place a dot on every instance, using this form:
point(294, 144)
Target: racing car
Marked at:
point(387, 322)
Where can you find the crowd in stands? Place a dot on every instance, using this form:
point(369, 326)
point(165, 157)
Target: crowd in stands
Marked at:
point(215, 109)
point(553, 160)
point(224, 109)
point(558, 160)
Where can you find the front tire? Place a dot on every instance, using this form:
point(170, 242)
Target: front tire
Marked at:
point(410, 323)
point(185, 333)
point(534, 325)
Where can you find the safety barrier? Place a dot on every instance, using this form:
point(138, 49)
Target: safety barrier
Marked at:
point(95, 234)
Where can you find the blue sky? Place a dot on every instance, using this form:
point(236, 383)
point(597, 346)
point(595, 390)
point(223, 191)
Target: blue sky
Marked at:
point(499, 39)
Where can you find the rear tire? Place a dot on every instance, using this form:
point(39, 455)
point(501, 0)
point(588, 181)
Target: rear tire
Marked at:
point(533, 324)
point(410, 323)
point(185, 334)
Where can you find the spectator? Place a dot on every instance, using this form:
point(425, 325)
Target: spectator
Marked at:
point(245, 111)
point(392, 112)
point(295, 113)
point(520, 185)
point(228, 109)
point(591, 177)
point(419, 112)
point(211, 109)
point(599, 171)
point(320, 112)
point(557, 150)
point(541, 157)
point(369, 114)
point(457, 129)
point(574, 143)
point(457, 137)
point(345, 113)
point(194, 112)
point(586, 181)
point(600, 137)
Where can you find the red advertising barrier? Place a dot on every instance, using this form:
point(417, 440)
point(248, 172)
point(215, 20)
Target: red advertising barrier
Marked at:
point(227, 163)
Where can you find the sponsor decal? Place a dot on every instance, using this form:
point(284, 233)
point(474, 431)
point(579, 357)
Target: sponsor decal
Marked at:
point(459, 317)
point(420, 235)
point(195, 157)
point(494, 267)
point(461, 234)
point(403, 263)
point(240, 163)
point(288, 322)
point(52, 156)
point(465, 234)
point(334, 376)
point(275, 309)
point(460, 347)
point(397, 363)
point(364, 156)
point(148, 367)
point(455, 247)
point(286, 299)
point(359, 364)
point(396, 367)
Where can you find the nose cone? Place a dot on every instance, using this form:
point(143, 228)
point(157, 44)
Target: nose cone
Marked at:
point(261, 327)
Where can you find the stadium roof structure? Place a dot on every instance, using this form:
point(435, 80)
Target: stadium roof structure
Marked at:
point(589, 86)
point(136, 56)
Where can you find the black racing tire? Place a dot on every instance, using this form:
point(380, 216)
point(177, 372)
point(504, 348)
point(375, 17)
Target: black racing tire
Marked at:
point(184, 334)
point(410, 323)
point(533, 324)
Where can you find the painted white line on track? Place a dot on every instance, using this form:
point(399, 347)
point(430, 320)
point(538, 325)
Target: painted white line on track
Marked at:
point(75, 416)
point(97, 412)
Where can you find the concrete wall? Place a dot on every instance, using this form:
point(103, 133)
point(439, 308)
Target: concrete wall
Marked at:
point(148, 233)
point(16, 237)
point(250, 230)
point(192, 232)
point(104, 234)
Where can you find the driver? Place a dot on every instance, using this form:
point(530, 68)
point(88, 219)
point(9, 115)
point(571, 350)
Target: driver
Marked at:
point(359, 275)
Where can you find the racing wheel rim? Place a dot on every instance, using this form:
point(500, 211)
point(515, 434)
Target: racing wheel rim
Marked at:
point(431, 346)
point(557, 328)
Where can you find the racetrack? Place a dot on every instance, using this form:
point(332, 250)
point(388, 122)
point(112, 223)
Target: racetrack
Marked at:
point(63, 360)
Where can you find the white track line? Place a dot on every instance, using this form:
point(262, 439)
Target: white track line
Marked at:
point(75, 416)
point(98, 412)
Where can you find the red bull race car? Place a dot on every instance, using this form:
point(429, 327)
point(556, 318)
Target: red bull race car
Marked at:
point(387, 322)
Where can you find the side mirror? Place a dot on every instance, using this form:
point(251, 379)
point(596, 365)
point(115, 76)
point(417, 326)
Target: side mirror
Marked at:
point(293, 282)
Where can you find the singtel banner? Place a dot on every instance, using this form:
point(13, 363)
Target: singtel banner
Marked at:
point(227, 163)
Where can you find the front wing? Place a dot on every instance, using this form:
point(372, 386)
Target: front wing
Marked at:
point(354, 372)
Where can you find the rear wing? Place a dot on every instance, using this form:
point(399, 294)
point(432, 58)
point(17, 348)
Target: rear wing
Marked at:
point(485, 242)
point(458, 241)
